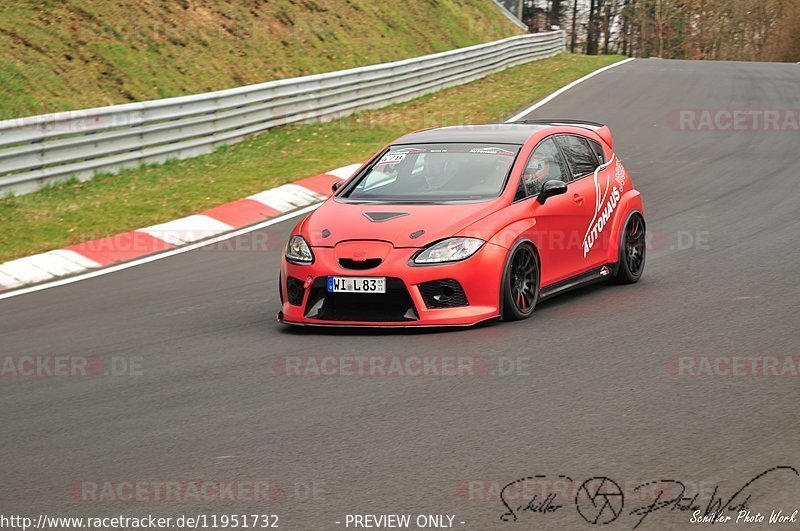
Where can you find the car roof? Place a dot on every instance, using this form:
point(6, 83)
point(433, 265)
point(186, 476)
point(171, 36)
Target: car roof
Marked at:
point(514, 133)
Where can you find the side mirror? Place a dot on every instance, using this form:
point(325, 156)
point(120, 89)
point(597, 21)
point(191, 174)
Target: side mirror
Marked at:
point(335, 186)
point(550, 189)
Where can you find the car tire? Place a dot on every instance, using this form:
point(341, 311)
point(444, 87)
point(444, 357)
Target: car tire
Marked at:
point(520, 283)
point(632, 251)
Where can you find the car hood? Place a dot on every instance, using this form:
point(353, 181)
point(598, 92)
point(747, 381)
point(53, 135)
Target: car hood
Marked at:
point(404, 225)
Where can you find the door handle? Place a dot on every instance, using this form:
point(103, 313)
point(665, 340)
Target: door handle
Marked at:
point(578, 198)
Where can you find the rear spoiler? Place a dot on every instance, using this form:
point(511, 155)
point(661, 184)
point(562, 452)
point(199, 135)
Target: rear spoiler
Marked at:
point(602, 130)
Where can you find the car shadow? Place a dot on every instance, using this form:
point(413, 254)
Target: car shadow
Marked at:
point(378, 331)
point(572, 295)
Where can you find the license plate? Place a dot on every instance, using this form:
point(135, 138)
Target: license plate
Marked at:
point(356, 285)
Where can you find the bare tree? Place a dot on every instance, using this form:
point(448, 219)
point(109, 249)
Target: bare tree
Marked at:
point(574, 37)
point(591, 29)
point(608, 15)
point(555, 13)
point(626, 26)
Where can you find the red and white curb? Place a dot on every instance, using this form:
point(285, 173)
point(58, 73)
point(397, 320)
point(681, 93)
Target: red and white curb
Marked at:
point(172, 234)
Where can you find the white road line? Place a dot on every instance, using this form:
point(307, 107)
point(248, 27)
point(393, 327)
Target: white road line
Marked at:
point(562, 90)
point(160, 256)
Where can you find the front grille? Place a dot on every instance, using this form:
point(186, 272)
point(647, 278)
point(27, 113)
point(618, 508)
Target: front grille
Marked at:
point(369, 263)
point(295, 291)
point(394, 306)
point(446, 293)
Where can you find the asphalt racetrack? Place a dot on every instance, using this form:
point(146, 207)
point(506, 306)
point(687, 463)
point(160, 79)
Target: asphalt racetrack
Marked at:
point(589, 387)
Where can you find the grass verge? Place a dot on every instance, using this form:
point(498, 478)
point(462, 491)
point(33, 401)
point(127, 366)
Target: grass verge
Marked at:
point(73, 212)
point(59, 55)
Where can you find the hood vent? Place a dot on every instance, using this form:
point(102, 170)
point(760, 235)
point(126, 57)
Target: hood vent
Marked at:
point(383, 216)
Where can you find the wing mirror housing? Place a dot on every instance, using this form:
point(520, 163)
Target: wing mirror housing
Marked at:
point(335, 186)
point(550, 189)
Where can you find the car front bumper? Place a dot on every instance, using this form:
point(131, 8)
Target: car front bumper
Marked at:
point(404, 304)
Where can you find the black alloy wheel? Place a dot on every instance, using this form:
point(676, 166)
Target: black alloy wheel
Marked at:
point(521, 284)
point(633, 249)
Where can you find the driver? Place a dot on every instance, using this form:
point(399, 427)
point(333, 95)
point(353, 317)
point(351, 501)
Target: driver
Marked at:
point(438, 171)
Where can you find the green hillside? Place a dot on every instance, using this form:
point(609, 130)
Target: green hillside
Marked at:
point(69, 54)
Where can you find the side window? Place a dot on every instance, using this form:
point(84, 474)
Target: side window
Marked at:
point(580, 156)
point(544, 165)
point(598, 150)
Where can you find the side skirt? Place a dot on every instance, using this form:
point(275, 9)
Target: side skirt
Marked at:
point(584, 279)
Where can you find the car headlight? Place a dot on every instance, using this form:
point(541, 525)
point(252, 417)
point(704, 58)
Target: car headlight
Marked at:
point(298, 251)
point(450, 250)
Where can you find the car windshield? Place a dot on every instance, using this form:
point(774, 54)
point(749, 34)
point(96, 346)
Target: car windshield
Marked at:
point(435, 173)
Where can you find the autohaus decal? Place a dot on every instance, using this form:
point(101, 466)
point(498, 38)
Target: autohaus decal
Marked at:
point(605, 203)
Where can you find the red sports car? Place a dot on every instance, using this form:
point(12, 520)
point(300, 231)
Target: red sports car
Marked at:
point(458, 225)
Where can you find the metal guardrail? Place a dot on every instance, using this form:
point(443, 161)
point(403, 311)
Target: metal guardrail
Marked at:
point(38, 150)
